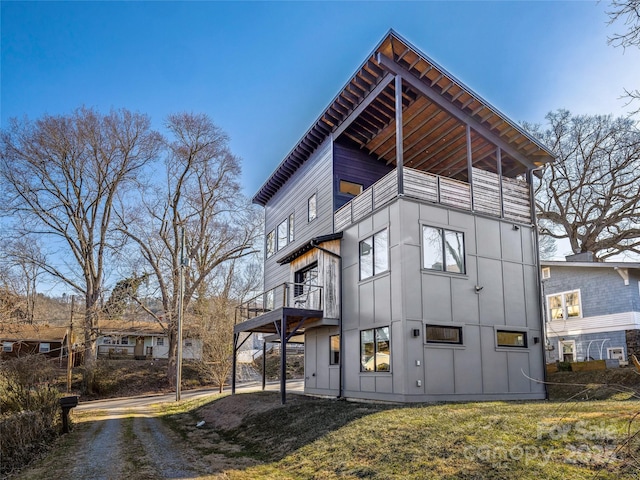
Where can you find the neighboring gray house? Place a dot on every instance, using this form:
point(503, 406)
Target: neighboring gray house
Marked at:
point(592, 309)
point(399, 242)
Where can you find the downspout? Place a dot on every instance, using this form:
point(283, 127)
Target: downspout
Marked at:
point(315, 244)
point(536, 243)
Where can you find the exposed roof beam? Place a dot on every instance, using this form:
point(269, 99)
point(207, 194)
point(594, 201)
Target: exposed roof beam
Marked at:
point(364, 104)
point(411, 79)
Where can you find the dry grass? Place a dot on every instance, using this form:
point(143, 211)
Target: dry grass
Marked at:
point(325, 439)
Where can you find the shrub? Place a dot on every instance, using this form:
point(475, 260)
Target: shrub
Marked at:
point(31, 410)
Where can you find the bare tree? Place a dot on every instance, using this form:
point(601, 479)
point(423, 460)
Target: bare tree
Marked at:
point(199, 193)
point(60, 176)
point(591, 194)
point(214, 315)
point(548, 247)
point(628, 13)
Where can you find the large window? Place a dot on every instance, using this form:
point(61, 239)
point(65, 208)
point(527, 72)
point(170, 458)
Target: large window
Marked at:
point(271, 243)
point(334, 350)
point(442, 334)
point(564, 305)
point(442, 250)
point(311, 208)
point(283, 234)
point(374, 255)
point(507, 338)
point(375, 353)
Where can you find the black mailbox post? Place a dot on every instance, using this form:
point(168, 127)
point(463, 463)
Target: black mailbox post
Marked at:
point(67, 403)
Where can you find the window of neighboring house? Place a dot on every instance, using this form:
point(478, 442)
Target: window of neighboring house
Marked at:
point(442, 334)
point(311, 208)
point(616, 353)
point(334, 350)
point(291, 228)
point(375, 350)
point(567, 349)
point(374, 255)
point(124, 341)
point(508, 338)
point(44, 347)
point(350, 188)
point(283, 234)
point(107, 341)
point(271, 243)
point(564, 305)
point(160, 342)
point(442, 250)
point(7, 346)
point(188, 343)
point(546, 273)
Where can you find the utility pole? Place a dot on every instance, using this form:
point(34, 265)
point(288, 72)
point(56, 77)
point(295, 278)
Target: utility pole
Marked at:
point(183, 261)
point(69, 347)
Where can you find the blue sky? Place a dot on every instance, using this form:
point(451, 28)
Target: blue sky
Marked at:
point(264, 71)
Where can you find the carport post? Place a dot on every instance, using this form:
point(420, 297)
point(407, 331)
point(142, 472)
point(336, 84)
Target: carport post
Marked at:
point(264, 364)
point(233, 368)
point(283, 359)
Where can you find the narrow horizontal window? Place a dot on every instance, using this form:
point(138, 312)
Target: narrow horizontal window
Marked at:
point(508, 338)
point(350, 188)
point(441, 334)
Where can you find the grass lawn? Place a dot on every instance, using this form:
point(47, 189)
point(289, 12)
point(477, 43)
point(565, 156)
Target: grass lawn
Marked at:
point(325, 439)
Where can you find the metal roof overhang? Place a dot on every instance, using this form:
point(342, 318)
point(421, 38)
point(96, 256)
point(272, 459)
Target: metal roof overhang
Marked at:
point(311, 244)
point(437, 108)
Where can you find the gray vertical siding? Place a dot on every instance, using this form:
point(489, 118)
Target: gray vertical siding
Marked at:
point(315, 176)
point(499, 258)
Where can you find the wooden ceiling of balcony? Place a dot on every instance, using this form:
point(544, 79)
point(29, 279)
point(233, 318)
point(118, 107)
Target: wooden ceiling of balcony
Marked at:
point(436, 111)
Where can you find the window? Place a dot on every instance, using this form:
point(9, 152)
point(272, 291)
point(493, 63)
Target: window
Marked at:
point(350, 188)
point(305, 279)
point(374, 255)
point(160, 342)
point(564, 305)
point(283, 234)
point(188, 343)
point(440, 334)
point(271, 243)
point(567, 349)
point(7, 346)
point(44, 347)
point(546, 273)
point(375, 350)
point(291, 228)
point(334, 350)
point(507, 338)
point(124, 341)
point(107, 341)
point(442, 250)
point(311, 208)
point(616, 353)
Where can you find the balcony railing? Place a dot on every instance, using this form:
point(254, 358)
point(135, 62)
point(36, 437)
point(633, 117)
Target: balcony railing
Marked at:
point(292, 295)
point(492, 195)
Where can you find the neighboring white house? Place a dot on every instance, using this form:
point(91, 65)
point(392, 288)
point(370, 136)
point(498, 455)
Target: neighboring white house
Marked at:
point(592, 309)
point(141, 339)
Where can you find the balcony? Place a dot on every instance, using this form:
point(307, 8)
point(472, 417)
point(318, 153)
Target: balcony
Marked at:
point(493, 195)
point(294, 302)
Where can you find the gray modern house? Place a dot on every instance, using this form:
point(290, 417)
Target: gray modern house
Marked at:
point(400, 244)
point(592, 309)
